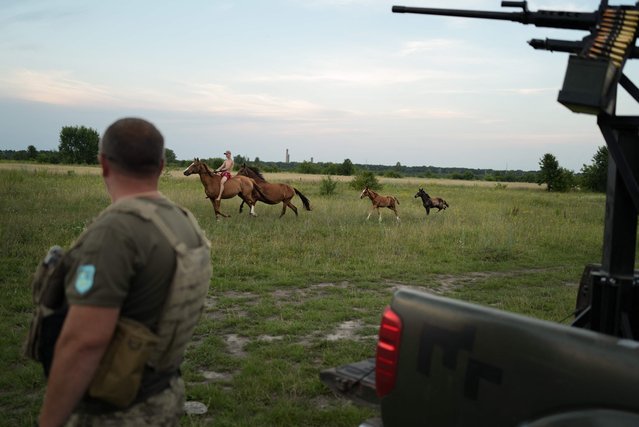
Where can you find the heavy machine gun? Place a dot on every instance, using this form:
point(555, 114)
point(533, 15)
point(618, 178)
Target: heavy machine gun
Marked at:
point(608, 298)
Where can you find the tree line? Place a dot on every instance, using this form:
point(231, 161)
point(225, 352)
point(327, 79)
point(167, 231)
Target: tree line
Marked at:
point(79, 145)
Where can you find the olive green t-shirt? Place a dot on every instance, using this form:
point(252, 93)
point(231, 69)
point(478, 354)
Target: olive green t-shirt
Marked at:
point(123, 260)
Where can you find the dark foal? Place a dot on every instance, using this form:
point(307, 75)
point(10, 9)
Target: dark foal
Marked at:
point(431, 202)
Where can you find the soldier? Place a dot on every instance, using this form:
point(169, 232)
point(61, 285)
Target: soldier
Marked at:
point(124, 281)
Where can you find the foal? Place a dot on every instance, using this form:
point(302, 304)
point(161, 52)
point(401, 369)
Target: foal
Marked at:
point(431, 202)
point(389, 202)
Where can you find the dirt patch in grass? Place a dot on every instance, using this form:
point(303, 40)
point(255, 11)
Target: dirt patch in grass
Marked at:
point(345, 331)
point(235, 344)
point(442, 284)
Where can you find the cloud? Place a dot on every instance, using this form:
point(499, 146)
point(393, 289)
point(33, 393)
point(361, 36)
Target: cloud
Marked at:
point(430, 113)
point(54, 87)
point(354, 76)
point(61, 88)
point(421, 46)
point(217, 98)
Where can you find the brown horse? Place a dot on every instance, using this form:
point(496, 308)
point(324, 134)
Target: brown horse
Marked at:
point(274, 193)
point(389, 202)
point(240, 186)
point(431, 202)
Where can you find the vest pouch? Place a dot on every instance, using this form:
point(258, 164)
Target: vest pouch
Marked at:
point(49, 311)
point(50, 328)
point(117, 380)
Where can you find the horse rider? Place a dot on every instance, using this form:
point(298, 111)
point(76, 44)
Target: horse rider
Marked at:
point(225, 170)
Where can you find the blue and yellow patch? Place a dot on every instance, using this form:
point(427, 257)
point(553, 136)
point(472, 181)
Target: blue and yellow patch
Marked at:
point(84, 278)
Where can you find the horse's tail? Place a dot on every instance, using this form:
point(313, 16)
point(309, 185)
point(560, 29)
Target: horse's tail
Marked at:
point(396, 199)
point(305, 201)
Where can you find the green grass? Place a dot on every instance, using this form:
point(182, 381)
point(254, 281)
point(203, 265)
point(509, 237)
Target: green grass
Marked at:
point(284, 289)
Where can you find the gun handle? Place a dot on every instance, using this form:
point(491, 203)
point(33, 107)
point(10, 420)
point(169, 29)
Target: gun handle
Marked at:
point(522, 4)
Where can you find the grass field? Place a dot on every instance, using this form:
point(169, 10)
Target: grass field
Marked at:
point(292, 296)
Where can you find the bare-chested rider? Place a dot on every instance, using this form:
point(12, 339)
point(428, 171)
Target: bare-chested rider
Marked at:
point(225, 170)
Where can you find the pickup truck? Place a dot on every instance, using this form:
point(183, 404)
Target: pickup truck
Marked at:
point(443, 362)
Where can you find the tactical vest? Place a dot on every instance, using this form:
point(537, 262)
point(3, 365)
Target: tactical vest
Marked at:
point(189, 287)
point(182, 308)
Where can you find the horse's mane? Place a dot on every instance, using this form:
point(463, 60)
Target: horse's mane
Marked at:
point(256, 172)
point(374, 193)
point(208, 170)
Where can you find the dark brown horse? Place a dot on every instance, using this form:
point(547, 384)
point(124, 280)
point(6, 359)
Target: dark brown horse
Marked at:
point(274, 193)
point(240, 186)
point(431, 202)
point(378, 201)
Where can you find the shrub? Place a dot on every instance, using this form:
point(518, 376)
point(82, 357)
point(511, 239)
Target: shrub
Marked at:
point(327, 186)
point(365, 179)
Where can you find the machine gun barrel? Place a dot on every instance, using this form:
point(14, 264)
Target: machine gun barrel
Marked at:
point(541, 18)
point(574, 47)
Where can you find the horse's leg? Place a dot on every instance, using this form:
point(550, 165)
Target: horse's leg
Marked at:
point(379, 215)
point(247, 197)
point(241, 206)
point(216, 206)
point(370, 212)
point(396, 214)
point(290, 205)
point(215, 211)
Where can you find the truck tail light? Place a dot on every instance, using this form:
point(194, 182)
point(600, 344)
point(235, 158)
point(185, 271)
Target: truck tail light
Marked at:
point(387, 352)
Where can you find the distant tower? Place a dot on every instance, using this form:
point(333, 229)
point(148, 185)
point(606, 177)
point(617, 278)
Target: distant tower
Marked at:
point(311, 160)
point(287, 158)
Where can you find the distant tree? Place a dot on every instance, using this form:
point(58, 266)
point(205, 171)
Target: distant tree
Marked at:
point(21, 155)
point(392, 174)
point(555, 177)
point(169, 156)
point(331, 169)
point(214, 162)
point(529, 177)
point(52, 157)
point(79, 144)
point(595, 175)
point(548, 171)
point(565, 181)
point(308, 168)
point(466, 175)
point(346, 168)
point(238, 161)
point(32, 153)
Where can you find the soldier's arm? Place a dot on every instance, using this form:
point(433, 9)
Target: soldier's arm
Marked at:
point(85, 337)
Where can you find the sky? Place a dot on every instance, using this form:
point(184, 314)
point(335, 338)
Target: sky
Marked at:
point(327, 80)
